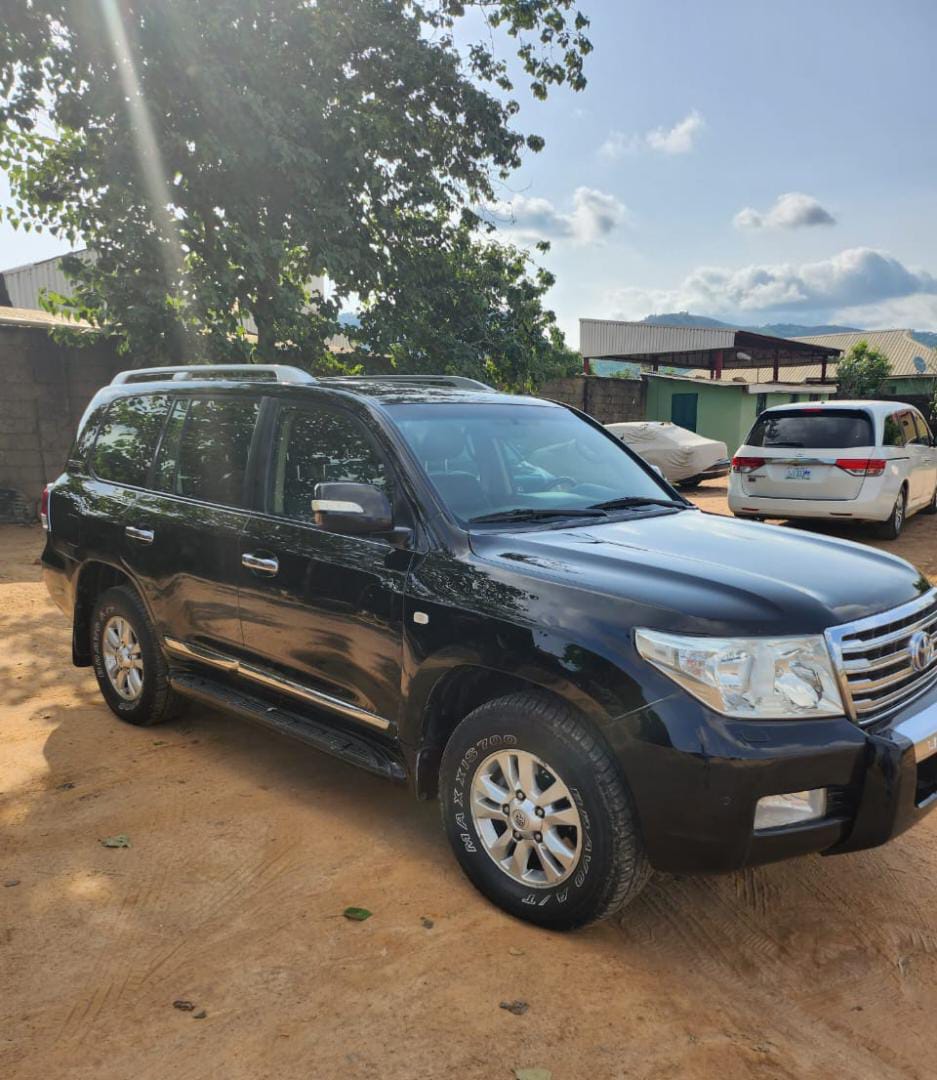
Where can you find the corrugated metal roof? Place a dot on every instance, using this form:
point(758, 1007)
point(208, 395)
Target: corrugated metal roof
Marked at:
point(693, 346)
point(898, 345)
point(25, 283)
point(604, 337)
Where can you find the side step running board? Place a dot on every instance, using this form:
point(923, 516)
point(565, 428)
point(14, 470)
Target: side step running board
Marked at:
point(340, 744)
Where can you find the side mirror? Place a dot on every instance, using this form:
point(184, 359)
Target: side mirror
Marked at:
point(352, 508)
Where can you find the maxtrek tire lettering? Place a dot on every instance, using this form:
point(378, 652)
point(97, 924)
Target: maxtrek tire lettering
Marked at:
point(610, 866)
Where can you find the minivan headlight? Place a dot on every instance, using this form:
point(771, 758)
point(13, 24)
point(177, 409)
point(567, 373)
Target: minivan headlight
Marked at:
point(758, 678)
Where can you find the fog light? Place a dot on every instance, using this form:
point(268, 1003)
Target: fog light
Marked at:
point(773, 811)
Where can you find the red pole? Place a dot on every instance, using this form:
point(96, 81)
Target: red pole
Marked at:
point(718, 364)
point(586, 366)
point(777, 356)
point(823, 370)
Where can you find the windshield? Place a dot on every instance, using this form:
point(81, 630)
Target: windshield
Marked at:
point(491, 459)
point(831, 429)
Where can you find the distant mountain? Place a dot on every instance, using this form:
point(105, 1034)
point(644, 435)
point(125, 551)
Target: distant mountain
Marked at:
point(685, 318)
point(925, 337)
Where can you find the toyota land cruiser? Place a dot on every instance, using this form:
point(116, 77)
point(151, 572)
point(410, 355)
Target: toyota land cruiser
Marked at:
point(493, 599)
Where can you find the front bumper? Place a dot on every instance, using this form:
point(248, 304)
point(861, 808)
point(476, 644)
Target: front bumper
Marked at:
point(696, 796)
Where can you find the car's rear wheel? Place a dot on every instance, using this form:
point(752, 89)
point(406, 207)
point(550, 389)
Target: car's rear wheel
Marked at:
point(890, 529)
point(538, 814)
point(131, 670)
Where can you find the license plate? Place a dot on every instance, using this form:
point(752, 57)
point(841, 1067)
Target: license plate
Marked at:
point(797, 472)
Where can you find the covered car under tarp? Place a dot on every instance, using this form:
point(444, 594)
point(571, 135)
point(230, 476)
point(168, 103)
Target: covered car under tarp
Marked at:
point(682, 456)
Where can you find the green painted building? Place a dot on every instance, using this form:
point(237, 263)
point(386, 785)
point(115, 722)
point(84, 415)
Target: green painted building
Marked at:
point(721, 408)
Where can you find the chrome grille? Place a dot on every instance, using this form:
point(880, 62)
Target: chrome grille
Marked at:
point(874, 662)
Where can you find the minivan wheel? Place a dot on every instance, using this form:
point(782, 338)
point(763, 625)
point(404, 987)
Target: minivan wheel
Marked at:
point(130, 668)
point(538, 815)
point(890, 529)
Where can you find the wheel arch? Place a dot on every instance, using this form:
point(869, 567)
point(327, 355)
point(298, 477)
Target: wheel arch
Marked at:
point(94, 578)
point(447, 694)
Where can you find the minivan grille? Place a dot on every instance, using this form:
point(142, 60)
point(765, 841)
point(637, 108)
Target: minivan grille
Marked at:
point(885, 661)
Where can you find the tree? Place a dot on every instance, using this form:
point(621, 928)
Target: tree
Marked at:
point(462, 305)
point(218, 155)
point(862, 371)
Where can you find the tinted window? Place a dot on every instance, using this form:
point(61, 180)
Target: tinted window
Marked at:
point(488, 458)
point(815, 428)
point(213, 448)
point(164, 473)
point(127, 438)
point(315, 445)
point(894, 434)
point(906, 420)
point(923, 431)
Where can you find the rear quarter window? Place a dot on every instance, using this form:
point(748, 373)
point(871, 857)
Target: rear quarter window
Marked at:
point(126, 438)
point(817, 429)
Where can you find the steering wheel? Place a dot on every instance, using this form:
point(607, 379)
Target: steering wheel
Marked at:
point(561, 483)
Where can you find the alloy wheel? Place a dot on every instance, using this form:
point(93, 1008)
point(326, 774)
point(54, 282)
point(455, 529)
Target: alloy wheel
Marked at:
point(123, 660)
point(526, 818)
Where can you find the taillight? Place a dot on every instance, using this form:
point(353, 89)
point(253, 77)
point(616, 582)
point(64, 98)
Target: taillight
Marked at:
point(44, 507)
point(747, 464)
point(861, 466)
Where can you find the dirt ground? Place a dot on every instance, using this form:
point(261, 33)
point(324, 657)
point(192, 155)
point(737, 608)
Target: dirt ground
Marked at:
point(246, 848)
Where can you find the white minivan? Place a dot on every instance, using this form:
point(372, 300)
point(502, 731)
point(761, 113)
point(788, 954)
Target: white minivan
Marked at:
point(841, 460)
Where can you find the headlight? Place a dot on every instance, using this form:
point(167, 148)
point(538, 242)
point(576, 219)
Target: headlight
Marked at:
point(758, 678)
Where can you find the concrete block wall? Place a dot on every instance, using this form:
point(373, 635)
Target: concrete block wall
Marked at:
point(610, 401)
point(44, 388)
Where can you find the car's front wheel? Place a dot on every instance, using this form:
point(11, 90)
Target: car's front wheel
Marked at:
point(931, 507)
point(538, 814)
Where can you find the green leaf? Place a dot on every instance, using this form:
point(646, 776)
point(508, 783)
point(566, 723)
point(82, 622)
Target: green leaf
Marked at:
point(356, 914)
point(120, 840)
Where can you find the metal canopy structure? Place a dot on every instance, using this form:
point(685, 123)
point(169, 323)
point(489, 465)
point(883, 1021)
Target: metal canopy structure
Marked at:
point(714, 349)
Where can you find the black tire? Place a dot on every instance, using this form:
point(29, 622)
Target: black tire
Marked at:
point(890, 528)
point(611, 868)
point(931, 507)
point(156, 700)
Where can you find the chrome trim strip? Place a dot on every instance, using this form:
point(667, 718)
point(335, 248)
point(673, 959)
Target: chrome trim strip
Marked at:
point(202, 655)
point(869, 686)
point(797, 461)
point(890, 638)
point(922, 731)
point(900, 697)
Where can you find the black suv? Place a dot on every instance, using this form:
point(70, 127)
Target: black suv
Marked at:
point(492, 598)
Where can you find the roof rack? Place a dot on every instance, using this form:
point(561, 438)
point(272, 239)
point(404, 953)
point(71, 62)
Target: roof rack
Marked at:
point(280, 373)
point(415, 380)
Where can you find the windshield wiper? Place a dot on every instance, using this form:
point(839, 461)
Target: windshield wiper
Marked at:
point(537, 514)
point(630, 501)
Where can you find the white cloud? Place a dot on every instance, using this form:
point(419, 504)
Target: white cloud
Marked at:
point(618, 144)
point(594, 215)
point(793, 210)
point(853, 279)
point(676, 140)
point(917, 312)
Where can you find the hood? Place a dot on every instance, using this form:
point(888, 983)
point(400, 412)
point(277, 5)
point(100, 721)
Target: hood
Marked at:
point(710, 574)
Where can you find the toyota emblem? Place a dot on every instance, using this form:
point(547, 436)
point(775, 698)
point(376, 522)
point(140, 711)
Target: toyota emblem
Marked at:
point(921, 647)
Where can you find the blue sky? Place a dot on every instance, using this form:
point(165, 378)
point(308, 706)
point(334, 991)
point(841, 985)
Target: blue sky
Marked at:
point(754, 161)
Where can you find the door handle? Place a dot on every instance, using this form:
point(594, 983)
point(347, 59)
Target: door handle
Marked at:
point(268, 566)
point(142, 536)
